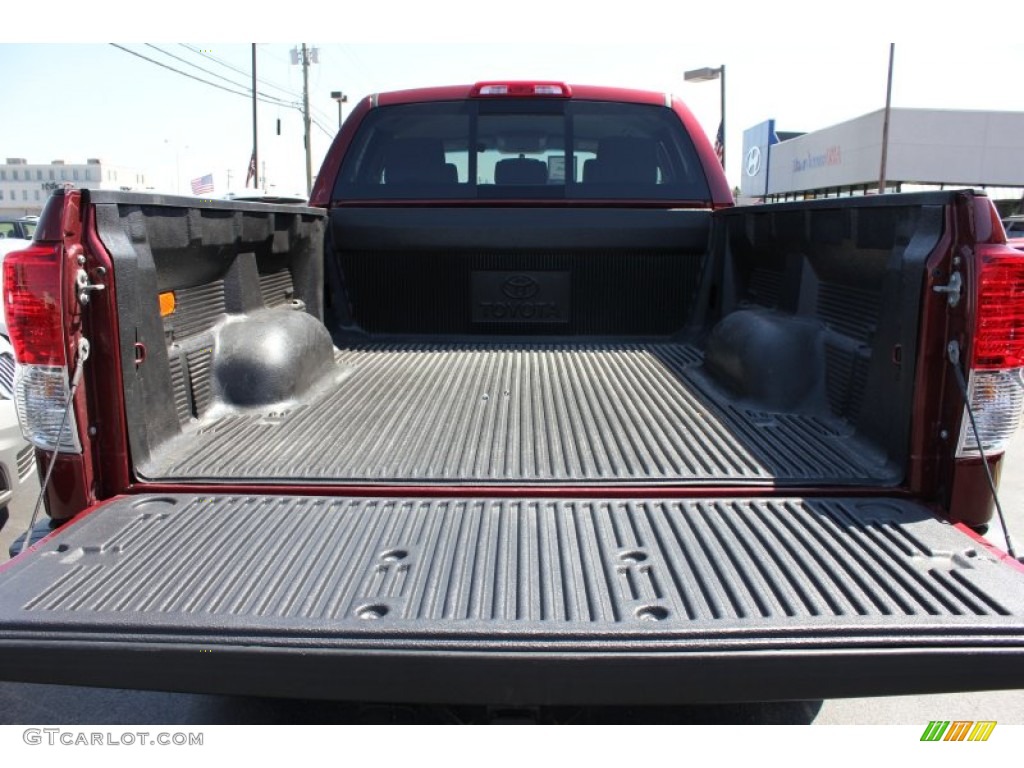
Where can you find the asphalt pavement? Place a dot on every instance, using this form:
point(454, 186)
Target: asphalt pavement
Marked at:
point(59, 705)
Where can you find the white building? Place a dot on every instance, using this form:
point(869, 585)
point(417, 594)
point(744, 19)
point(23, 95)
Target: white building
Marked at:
point(24, 186)
point(936, 147)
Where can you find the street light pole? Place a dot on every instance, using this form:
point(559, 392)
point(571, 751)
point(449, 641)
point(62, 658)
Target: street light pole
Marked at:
point(721, 126)
point(712, 73)
point(341, 98)
point(255, 142)
point(885, 122)
point(177, 164)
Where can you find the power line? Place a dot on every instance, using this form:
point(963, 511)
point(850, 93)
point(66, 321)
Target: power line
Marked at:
point(244, 94)
point(206, 55)
point(323, 115)
point(247, 89)
point(260, 97)
point(189, 63)
point(223, 63)
point(319, 112)
point(325, 130)
point(271, 54)
point(172, 69)
point(350, 55)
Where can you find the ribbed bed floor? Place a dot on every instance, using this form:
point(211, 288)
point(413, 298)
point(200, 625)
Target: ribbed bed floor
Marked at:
point(508, 413)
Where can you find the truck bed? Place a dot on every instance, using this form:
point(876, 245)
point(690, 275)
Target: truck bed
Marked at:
point(541, 601)
point(511, 456)
point(651, 348)
point(505, 412)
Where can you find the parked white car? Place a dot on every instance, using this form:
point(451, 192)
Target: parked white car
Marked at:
point(16, 233)
point(19, 481)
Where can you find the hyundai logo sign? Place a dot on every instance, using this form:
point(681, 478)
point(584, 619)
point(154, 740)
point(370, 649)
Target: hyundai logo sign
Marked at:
point(753, 161)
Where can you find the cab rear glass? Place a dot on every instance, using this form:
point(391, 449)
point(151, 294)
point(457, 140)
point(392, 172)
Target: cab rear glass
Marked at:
point(522, 149)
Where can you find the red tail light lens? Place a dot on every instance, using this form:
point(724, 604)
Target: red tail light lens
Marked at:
point(999, 332)
point(32, 305)
point(521, 89)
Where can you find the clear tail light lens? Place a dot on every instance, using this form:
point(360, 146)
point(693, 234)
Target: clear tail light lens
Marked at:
point(32, 291)
point(40, 395)
point(997, 399)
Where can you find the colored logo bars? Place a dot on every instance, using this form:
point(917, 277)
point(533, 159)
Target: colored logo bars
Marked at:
point(958, 730)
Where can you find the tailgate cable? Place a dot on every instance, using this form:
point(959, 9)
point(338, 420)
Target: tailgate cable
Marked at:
point(954, 357)
point(83, 355)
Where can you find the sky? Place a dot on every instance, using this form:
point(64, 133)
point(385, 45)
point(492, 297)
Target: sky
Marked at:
point(80, 97)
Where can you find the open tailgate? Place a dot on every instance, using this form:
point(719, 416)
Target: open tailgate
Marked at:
point(513, 601)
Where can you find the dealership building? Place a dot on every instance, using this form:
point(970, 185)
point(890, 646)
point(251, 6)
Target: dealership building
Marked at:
point(937, 148)
point(24, 186)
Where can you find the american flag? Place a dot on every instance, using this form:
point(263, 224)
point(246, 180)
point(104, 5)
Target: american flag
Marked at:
point(203, 185)
point(720, 144)
point(251, 175)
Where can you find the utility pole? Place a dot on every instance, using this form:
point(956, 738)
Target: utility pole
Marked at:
point(885, 122)
point(308, 56)
point(305, 118)
point(264, 175)
point(255, 143)
point(229, 179)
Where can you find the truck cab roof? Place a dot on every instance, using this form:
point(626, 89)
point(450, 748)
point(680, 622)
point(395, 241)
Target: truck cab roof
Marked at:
point(518, 88)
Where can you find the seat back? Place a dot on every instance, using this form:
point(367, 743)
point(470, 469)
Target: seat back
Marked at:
point(417, 161)
point(623, 160)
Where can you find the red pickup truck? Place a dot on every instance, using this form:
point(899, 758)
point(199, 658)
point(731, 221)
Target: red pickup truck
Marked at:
point(522, 410)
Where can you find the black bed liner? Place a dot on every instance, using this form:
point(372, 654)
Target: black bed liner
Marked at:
point(509, 412)
point(514, 601)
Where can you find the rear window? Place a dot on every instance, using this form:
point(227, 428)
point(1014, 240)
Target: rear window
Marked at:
point(522, 149)
point(17, 230)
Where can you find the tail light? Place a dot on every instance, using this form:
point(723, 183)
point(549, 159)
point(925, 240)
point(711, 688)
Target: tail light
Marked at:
point(33, 308)
point(519, 88)
point(996, 381)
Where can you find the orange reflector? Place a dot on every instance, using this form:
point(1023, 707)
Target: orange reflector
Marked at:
point(166, 304)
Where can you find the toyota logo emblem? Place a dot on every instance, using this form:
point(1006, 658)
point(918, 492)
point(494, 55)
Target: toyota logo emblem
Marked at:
point(520, 287)
point(753, 161)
